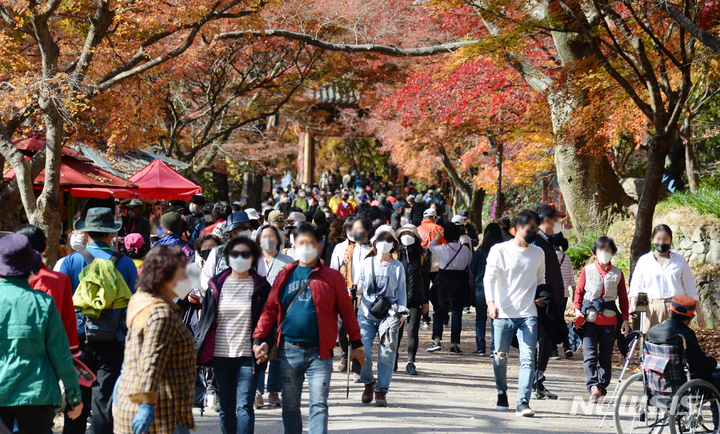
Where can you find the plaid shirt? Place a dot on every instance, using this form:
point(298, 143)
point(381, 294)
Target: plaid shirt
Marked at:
point(159, 369)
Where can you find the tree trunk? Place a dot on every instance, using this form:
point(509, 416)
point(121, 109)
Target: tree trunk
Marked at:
point(657, 150)
point(691, 167)
point(475, 209)
point(591, 191)
point(254, 191)
point(222, 190)
point(48, 215)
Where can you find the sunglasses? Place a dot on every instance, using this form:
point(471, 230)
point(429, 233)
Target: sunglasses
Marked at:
point(245, 254)
point(386, 239)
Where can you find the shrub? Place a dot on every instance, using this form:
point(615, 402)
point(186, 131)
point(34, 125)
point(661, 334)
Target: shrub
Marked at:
point(580, 249)
point(705, 201)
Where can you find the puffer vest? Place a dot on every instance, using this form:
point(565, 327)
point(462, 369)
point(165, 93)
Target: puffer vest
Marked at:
point(594, 284)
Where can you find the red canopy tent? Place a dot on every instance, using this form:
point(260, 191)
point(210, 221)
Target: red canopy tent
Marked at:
point(156, 181)
point(75, 170)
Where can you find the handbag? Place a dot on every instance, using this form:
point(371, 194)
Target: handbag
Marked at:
point(272, 337)
point(381, 306)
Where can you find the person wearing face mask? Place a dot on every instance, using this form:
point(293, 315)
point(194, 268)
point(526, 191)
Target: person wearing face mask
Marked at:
point(335, 201)
point(347, 258)
point(410, 255)
point(207, 220)
point(284, 204)
point(600, 286)
point(133, 245)
point(78, 241)
point(268, 238)
point(381, 277)
point(136, 223)
point(451, 286)
point(560, 243)
point(237, 224)
point(304, 304)
point(513, 271)
point(197, 202)
point(159, 352)
point(229, 314)
point(662, 274)
point(345, 208)
point(300, 200)
point(549, 216)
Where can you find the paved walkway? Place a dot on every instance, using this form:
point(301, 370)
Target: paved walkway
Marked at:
point(451, 394)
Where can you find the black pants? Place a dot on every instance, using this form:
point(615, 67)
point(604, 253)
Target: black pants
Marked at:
point(105, 360)
point(566, 341)
point(598, 342)
point(456, 325)
point(342, 336)
point(413, 326)
point(545, 345)
point(31, 419)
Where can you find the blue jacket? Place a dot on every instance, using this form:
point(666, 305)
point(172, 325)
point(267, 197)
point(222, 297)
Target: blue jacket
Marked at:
point(74, 264)
point(172, 240)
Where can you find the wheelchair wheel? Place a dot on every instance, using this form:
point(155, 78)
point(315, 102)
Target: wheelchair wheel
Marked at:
point(634, 413)
point(692, 408)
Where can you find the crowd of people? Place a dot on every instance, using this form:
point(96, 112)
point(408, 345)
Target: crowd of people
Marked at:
point(196, 304)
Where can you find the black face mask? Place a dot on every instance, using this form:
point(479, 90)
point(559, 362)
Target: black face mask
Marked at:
point(205, 253)
point(530, 237)
point(359, 236)
point(662, 248)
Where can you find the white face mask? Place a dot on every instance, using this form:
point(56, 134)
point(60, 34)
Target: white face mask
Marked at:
point(268, 244)
point(194, 208)
point(301, 194)
point(321, 203)
point(292, 240)
point(557, 227)
point(407, 240)
point(78, 243)
point(604, 257)
point(283, 199)
point(182, 288)
point(247, 233)
point(383, 246)
point(240, 264)
point(208, 218)
point(306, 254)
point(350, 238)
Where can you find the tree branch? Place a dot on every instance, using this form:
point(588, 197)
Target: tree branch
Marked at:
point(693, 29)
point(350, 48)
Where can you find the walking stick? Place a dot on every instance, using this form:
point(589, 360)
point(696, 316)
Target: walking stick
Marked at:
point(353, 294)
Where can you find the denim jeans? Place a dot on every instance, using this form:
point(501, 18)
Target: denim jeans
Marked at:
point(236, 384)
point(296, 363)
point(480, 318)
point(527, 333)
point(455, 325)
point(386, 359)
point(274, 381)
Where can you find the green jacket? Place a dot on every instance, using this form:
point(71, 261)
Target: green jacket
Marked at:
point(104, 288)
point(34, 349)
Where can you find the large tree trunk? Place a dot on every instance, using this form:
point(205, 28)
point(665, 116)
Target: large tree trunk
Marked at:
point(222, 190)
point(590, 189)
point(658, 147)
point(475, 209)
point(254, 190)
point(691, 167)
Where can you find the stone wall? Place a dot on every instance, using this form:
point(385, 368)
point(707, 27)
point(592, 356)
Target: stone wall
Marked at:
point(699, 246)
point(708, 288)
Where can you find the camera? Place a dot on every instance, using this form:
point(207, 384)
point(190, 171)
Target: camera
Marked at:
point(642, 302)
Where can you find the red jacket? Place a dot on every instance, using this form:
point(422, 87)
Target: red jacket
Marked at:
point(343, 212)
point(57, 286)
point(331, 299)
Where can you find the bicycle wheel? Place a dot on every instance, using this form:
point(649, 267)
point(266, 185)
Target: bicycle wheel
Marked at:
point(634, 413)
point(692, 408)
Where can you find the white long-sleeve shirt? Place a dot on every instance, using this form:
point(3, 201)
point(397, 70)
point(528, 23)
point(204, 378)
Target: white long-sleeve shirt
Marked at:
point(662, 281)
point(512, 276)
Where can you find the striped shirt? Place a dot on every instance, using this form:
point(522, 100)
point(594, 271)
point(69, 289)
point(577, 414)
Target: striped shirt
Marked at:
point(567, 271)
point(234, 318)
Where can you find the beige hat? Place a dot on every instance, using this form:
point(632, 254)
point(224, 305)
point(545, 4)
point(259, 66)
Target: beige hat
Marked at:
point(384, 229)
point(296, 217)
point(276, 216)
point(408, 229)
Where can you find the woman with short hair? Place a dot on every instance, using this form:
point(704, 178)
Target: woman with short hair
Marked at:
point(662, 274)
point(601, 284)
point(155, 392)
